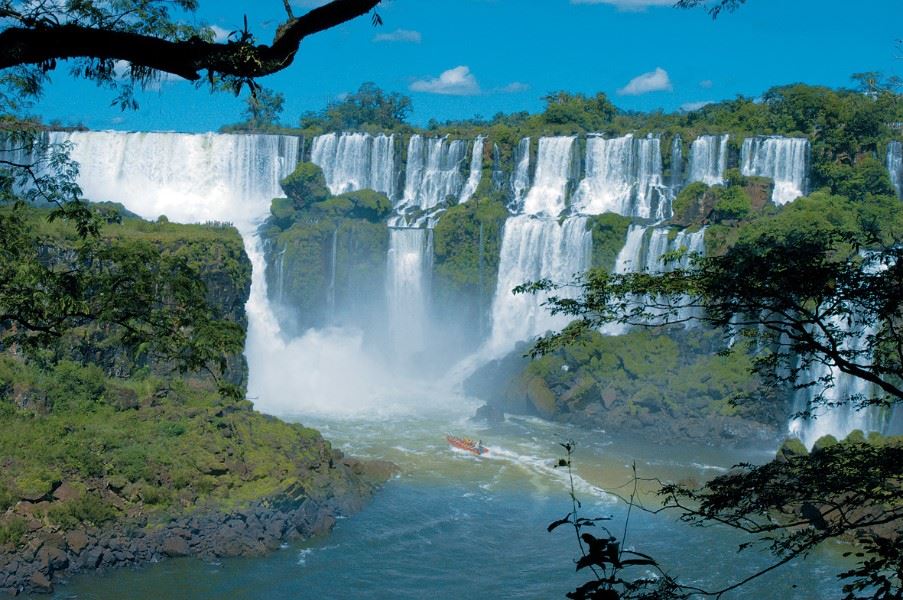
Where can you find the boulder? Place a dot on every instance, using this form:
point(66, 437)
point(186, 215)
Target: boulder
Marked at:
point(175, 546)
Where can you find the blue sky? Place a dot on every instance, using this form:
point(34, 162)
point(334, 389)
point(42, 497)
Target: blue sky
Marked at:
point(460, 58)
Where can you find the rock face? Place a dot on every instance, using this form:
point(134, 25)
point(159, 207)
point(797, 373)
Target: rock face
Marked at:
point(297, 513)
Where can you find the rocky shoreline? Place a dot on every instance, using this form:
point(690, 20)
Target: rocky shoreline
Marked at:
point(48, 556)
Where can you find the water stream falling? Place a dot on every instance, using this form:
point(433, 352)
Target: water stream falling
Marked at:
point(554, 169)
point(532, 249)
point(356, 161)
point(409, 266)
point(434, 170)
point(476, 170)
point(623, 176)
point(785, 160)
point(895, 166)
point(708, 159)
point(520, 175)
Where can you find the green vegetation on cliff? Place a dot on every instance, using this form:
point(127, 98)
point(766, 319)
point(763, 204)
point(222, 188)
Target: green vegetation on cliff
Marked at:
point(325, 253)
point(93, 433)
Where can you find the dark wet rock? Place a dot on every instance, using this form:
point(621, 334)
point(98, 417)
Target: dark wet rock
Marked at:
point(175, 546)
point(490, 414)
point(40, 582)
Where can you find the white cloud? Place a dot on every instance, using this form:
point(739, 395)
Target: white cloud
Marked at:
point(691, 106)
point(628, 5)
point(706, 84)
point(514, 87)
point(653, 81)
point(399, 35)
point(454, 82)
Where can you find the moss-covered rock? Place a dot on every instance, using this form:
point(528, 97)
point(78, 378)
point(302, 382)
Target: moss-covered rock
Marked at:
point(305, 186)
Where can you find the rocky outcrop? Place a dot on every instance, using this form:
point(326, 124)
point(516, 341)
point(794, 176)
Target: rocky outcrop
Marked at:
point(44, 556)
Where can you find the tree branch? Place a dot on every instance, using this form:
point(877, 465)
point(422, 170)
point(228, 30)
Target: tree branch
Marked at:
point(45, 44)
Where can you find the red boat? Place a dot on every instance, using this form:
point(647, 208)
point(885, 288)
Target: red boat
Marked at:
point(467, 444)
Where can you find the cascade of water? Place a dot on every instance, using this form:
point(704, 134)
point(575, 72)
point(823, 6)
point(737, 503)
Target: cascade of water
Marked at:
point(409, 264)
point(520, 177)
point(476, 170)
point(356, 161)
point(498, 173)
point(839, 420)
point(533, 249)
point(433, 171)
point(623, 176)
point(677, 164)
point(197, 178)
point(708, 159)
point(554, 164)
point(785, 160)
point(895, 165)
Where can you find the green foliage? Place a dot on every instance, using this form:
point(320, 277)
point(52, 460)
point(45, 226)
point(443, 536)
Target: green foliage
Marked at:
point(467, 244)
point(364, 204)
point(88, 509)
point(305, 186)
point(577, 110)
point(609, 232)
point(867, 177)
point(732, 204)
point(369, 108)
point(11, 530)
point(262, 109)
point(684, 206)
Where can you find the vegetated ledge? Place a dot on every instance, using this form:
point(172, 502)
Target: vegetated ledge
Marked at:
point(106, 461)
point(43, 555)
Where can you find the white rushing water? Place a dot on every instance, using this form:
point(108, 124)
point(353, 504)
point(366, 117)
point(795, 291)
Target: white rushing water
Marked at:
point(476, 170)
point(895, 166)
point(677, 164)
point(356, 161)
point(836, 415)
point(532, 249)
point(433, 171)
point(623, 176)
point(554, 164)
point(520, 176)
point(785, 160)
point(408, 269)
point(708, 159)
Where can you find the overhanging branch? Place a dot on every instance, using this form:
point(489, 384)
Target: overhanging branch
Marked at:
point(45, 44)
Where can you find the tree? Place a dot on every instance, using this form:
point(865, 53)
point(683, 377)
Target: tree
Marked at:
point(369, 107)
point(820, 283)
point(96, 34)
point(262, 110)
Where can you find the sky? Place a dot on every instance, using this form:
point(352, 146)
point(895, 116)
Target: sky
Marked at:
point(464, 58)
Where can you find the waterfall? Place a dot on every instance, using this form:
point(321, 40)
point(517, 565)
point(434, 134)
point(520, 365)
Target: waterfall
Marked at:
point(840, 420)
point(785, 160)
point(498, 173)
point(677, 164)
point(708, 159)
point(197, 178)
point(520, 177)
point(643, 250)
point(533, 249)
point(356, 161)
point(554, 164)
point(895, 165)
point(433, 171)
point(476, 170)
point(409, 264)
point(623, 176)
